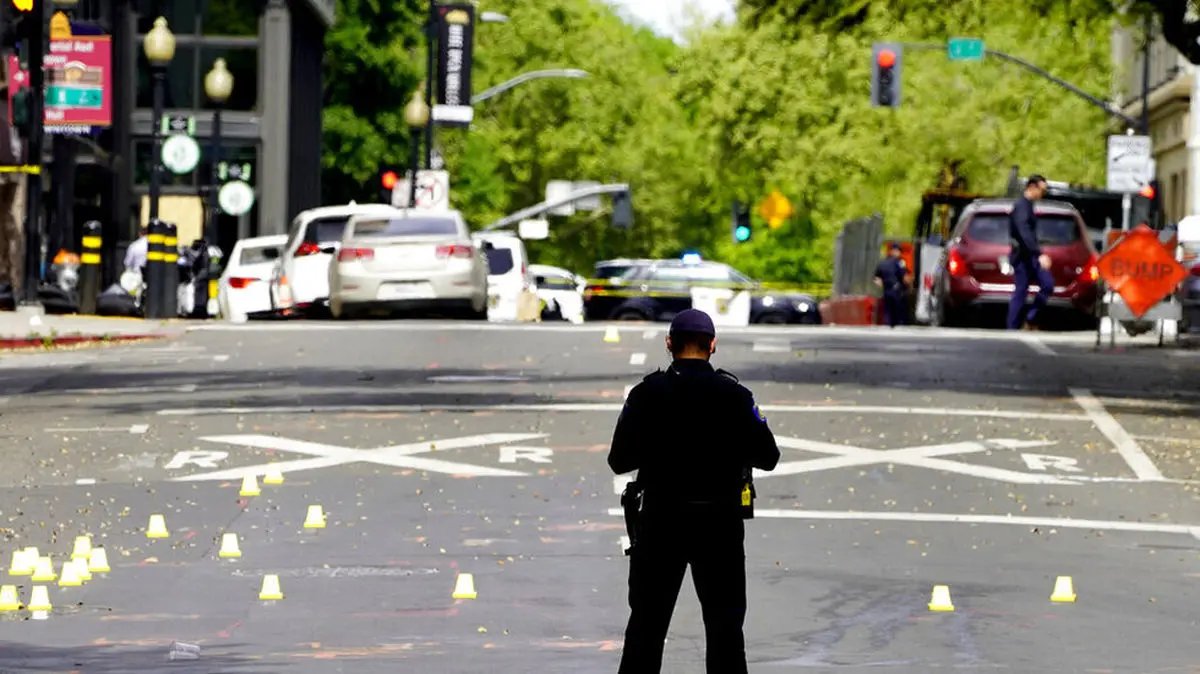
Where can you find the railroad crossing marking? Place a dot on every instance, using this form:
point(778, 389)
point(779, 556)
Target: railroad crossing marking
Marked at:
point(848, 456)
point(398, 456)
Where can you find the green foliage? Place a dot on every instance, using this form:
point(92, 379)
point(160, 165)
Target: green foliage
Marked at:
point(778, 101)
point(370, 74)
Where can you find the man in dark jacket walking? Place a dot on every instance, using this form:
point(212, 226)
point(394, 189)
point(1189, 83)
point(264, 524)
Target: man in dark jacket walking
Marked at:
point(1028, 261)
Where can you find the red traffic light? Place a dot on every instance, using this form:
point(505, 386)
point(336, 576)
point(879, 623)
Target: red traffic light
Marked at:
point(1147, 191)
point(390, 179)
point(886, 58)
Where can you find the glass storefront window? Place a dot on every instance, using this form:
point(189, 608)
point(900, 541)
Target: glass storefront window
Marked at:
point(237, 18)
point(243, 65)
point(180, 85)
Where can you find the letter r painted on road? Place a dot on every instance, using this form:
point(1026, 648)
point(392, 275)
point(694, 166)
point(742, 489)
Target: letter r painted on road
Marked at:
point(1045, 461)
point(533, 454)
point(200, 458)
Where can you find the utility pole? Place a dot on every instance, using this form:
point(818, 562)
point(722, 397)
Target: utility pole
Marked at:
point(431, 27)
point(36, 41)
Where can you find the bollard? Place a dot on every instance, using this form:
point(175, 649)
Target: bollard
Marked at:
point(154, 272)
point(89, 272)
point(170, 296)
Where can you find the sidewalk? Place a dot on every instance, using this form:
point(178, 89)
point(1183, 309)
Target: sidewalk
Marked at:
point(27, 330)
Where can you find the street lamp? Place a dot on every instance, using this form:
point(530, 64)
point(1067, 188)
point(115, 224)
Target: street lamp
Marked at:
point(218, 85)
point(416, 115)
point(159, 46)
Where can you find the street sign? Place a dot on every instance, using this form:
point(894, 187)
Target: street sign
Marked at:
point(1130, 163)
point(1141, 270)
point(180, 154)
point(433, 191)
point(236, 197)
point(172, 124)
point(775, 209)
point(533, 230)
point(560, 189)
point(965, 49)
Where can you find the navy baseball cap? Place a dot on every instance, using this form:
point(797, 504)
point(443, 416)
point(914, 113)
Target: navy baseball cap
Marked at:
point(693, 320)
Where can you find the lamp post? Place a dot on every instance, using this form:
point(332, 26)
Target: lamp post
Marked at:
point(416, 115)
point(218, 85)
point(159, 46)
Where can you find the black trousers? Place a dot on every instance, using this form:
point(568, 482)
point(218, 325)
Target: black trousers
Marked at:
point(895, 305)
point(714, 546)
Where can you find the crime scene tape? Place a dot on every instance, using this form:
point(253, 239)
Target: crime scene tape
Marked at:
point(27, 169)
point(617, 288)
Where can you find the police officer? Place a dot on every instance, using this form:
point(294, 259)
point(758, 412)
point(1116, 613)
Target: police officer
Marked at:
point(890, 274)
point(692, 433)
point(1028, 261)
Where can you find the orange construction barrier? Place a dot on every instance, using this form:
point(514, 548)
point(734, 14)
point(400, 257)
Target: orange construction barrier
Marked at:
point(855, 310)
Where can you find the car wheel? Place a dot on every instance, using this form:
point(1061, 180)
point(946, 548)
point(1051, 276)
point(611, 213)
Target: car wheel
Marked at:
point(631, 315)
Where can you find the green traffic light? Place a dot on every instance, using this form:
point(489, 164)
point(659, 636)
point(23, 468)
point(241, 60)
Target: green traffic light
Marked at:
point(742, 233)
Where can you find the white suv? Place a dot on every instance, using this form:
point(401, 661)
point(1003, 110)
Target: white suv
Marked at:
point(300, 279)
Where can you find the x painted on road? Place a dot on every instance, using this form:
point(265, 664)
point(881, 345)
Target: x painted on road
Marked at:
point(847, 456)
point(398, 456)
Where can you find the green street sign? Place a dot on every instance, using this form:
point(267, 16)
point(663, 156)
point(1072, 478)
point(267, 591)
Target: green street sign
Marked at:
point(965, 49)
point(74, 97)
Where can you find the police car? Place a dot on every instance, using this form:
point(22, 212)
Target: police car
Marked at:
point(656, 290)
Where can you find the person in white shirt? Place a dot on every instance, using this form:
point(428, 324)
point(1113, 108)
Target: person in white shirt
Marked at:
point(135, 255)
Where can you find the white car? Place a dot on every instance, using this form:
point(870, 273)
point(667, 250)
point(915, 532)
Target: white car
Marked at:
point(561, 290)
point(408, 260)
point(300, 279)
point(244, 287)
point(508, 275)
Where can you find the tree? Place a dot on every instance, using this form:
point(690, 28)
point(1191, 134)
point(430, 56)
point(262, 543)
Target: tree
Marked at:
point(1180, 21)
point(371, 70)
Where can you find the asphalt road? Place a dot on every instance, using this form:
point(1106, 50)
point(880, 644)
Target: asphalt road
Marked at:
point(990, 463)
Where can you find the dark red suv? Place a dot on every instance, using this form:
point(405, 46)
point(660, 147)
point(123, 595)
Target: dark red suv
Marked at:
point(975, 269)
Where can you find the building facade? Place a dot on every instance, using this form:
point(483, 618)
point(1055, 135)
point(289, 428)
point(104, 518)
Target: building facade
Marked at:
point(1171, 83)
point(271, 123)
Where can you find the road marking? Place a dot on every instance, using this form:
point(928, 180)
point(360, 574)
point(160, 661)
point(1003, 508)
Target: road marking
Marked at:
point(83, 481)
point(200, 458)
point(650, 334)
point(951, 518)
point(1039, 347)
point(610, 407)
point(1168, 440)
point(1045, 461)
point(534, 454)
point(847, 456)
point(771, 347)
point(457, 378)
point(135, 429)
point(399, 456)
point(1126, 446)
point(624, 543)
point(627, 390)
point(619, 482)
point(185, 388)
point(637, 359)
point(220, 358)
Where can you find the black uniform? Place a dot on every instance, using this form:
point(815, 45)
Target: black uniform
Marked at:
point(691, 432)
point(891, 272)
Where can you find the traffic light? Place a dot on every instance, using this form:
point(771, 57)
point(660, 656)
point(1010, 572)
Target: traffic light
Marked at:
point(20, 110)
point(742, 230)
point(886, 61)
point(1153, 206)
point(386, 180)
point(23, 5)
point(622, 213)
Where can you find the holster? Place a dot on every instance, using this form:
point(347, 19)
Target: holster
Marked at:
point(631, 503)
point(748, 494)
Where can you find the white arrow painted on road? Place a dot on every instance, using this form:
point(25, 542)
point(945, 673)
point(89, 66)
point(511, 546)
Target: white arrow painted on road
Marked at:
point(399, 456)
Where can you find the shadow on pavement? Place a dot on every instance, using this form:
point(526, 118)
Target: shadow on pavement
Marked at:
point(114, 659)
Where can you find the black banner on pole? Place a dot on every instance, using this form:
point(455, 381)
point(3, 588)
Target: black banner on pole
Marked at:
point(456, 41)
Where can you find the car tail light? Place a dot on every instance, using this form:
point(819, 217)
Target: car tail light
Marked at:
point(955, 264)
point(455, 250)
point(1196, 270)
point(1093, 272)
point(354, 254)
point(239, 283)
point(307, 248)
